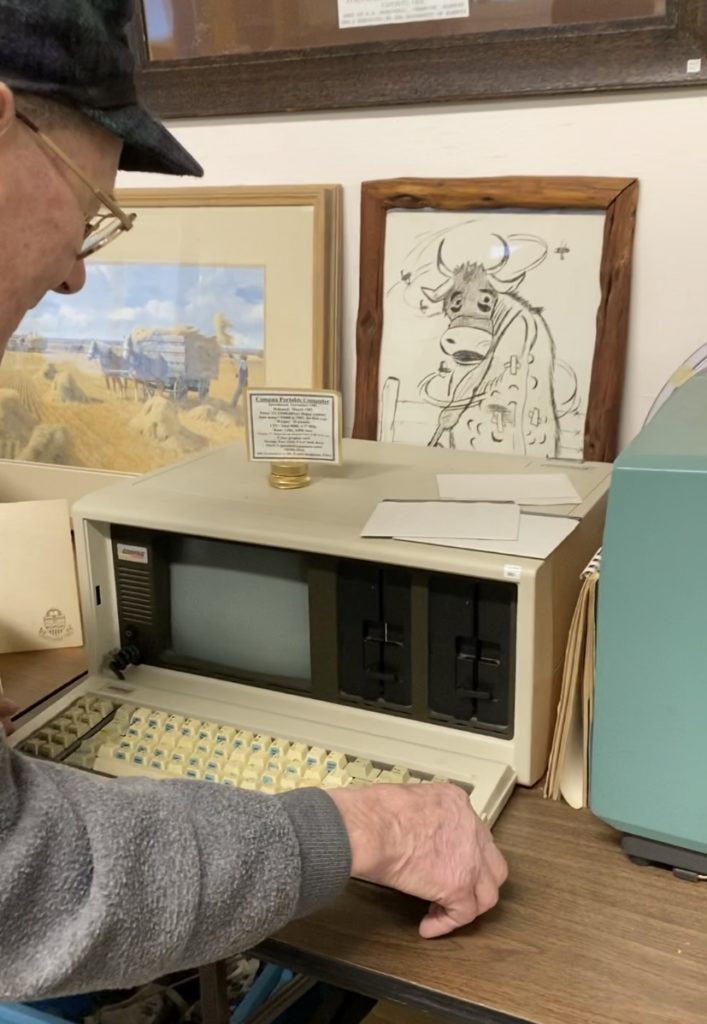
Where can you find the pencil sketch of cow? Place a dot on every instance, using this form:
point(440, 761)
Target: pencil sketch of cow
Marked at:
point(496, 387)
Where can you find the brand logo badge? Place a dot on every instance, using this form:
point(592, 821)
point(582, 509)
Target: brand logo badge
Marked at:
point(55, 626)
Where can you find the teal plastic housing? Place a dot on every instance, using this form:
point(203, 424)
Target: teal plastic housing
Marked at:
point(648, 774)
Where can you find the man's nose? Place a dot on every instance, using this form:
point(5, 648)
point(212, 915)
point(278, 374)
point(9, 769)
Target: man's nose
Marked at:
point(74, 281)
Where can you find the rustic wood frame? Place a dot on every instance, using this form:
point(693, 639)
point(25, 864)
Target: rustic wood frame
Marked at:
point(618, 197)
point(608, 56)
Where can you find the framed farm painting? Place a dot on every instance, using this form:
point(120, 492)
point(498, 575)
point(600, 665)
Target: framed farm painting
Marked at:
point(493, 313)
point(212, 290)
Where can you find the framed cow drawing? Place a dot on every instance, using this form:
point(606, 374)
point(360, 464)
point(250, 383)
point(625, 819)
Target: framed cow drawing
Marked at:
point(493, 313)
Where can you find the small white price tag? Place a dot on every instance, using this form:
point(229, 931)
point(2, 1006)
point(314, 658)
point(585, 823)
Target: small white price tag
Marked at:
point(295, 425)
point(694, 66)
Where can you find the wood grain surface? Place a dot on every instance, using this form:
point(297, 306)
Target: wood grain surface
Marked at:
point(581, 936)
point(32, 676)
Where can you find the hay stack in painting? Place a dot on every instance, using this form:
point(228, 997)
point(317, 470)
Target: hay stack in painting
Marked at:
point(144, 366)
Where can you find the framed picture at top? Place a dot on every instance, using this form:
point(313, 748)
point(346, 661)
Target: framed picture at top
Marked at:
point(216, 57)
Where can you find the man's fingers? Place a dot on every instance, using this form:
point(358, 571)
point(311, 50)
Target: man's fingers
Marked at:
point(486, 892)
point(441, 921)
point(496, 863)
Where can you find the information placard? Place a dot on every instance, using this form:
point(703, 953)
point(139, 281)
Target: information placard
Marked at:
point(294, 425)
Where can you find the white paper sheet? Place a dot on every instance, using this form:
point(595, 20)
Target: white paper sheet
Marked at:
point(538, 536)
point(39, 605)
point(357, 13)
point(523, 488)
point(456, 519)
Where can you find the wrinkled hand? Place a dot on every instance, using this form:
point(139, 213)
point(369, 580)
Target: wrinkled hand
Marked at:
point(7, 709)
point(428, 842)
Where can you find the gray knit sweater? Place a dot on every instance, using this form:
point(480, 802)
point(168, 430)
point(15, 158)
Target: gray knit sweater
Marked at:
point(109, 883)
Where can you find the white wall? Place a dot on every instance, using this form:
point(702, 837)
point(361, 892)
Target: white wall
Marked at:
point(658, 137)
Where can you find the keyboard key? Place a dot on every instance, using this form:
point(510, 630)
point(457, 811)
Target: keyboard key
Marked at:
point(361, 768)
point(173, 724)
point(243, 738)
point(279, 748)
point(260, 744)
point(156, 720)
point(190, 727)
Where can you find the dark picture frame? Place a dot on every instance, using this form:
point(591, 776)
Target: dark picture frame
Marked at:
point(617, 197)
point(636, 53)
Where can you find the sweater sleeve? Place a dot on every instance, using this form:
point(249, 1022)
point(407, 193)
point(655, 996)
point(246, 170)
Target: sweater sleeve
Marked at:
point(109, 883)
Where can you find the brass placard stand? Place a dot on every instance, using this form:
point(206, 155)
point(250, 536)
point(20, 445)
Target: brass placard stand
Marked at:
point(290, 429)
point(286, 476)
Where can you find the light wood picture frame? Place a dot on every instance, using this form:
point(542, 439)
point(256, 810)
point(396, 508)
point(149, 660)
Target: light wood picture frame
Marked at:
point(493, 313)
point(212, 289)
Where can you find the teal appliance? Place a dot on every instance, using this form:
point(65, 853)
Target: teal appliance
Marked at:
point(648, 775)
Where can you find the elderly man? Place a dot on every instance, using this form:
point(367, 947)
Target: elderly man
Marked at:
point(103, 883)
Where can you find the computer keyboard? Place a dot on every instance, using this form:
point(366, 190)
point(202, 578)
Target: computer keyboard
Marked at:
point(125, 740)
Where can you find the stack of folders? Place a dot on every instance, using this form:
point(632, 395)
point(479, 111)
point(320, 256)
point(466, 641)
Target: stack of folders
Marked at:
point(568, 767)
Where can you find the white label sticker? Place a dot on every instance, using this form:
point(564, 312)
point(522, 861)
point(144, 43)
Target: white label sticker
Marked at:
point(359, 13)
point(512, 572)
point(694, 66)
point(132, 553)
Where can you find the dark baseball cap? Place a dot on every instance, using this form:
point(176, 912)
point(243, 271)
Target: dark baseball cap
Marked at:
point(77, 52)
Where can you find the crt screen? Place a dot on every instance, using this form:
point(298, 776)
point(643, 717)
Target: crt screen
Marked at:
point(242, 607)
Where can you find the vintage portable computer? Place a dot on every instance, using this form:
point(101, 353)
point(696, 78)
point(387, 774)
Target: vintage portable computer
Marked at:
point(251, 637)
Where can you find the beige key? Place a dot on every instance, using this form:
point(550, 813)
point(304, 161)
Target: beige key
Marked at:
point(295, 769)
point(361, 768)
point(315, 771)
point(336, 780)
point(190, 727)
point(232, 772)
point(175, 768)
point(252, 771)
point(288, 782)
point(315, 756)
point(279, 748)
point(173, 723)
point(211, 775)
point(270, 782)
point(208, 732)
point(107, 750)
point(203, 746)
point(193, 772)
point(221, 753)
point(156, 720)
point(158, 764)
point(225, 734)
point(402, 772)
point(249, 784)
point(335, 761)
point(243, 738)
point(140, 716)
point(260, 744)
point(239, 756)
point(297, 752)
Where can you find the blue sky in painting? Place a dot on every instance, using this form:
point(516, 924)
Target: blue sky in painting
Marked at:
point(158, 16)
point(120, 297)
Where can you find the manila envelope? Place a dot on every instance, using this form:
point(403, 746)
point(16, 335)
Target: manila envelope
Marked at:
point(39, 603)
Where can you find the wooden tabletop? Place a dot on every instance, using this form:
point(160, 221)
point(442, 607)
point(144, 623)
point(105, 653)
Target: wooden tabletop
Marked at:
point(32, 676)
point(581, 936)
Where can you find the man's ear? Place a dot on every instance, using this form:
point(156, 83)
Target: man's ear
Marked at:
point(7, 108)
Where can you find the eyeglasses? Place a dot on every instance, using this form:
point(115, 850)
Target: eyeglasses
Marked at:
point(104, 227)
